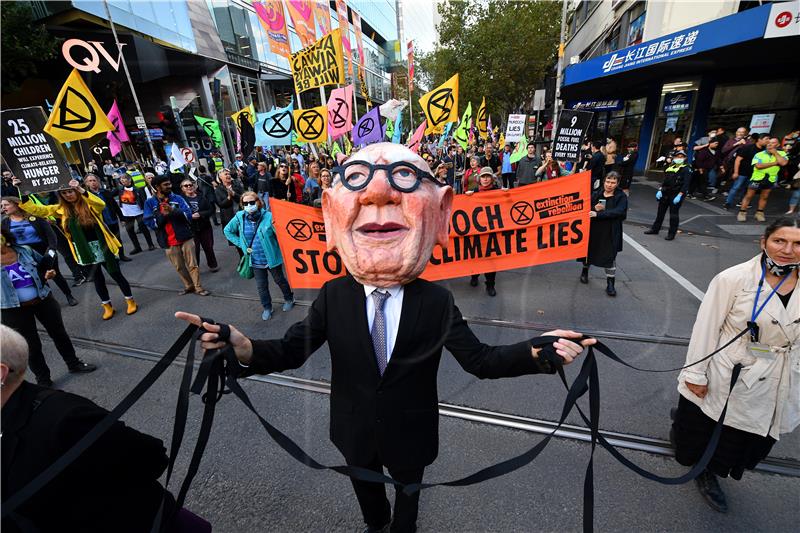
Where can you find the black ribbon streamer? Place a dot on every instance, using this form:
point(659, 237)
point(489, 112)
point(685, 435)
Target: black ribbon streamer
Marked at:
point(218, 374)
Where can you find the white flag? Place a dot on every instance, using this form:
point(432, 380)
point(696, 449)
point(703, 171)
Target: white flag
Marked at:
point(176, 158)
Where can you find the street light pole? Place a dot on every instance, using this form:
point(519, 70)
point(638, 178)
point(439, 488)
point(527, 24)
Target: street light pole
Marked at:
point(560, 59)
point(130, 82)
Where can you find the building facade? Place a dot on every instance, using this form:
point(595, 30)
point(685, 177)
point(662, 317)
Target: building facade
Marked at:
point(653, 71)
point(211, 56)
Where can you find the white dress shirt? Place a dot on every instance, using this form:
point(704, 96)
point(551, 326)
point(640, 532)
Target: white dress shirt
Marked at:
point(392, 308)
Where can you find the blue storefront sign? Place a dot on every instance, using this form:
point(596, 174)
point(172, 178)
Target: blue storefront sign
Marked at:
point(737, 28)
point(596, 105)
point(156, 134)
point(677, 102)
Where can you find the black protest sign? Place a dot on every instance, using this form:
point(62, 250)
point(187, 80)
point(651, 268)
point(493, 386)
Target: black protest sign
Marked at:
point(32, 155)
point(570, 134)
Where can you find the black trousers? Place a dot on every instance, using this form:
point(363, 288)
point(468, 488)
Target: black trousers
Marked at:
point(66, 253)
point(59, 280)
point(490, 277)
point(100, 280)
point(375, 506)
point(508, 180)
point(23, 321)
point(666, 204)
point(129, 227)
point(204, 238)
point(116, 231)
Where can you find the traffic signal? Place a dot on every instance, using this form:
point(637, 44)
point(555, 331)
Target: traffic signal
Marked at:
point(166, 121)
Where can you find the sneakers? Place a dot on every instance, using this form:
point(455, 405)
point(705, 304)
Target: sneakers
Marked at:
point(473, 281)
point(742, 216)
point(709, 198)
point(288, 305)
point(82, 368)
point(708, 485)
point(71, 301)
point(132, 306)
point(490, 290)
point(651, 232)
point(760, 216)
point(108, 311)
point(266, 314)
point(79, 281)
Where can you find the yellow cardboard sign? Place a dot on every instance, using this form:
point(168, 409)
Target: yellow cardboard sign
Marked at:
point(320, 64)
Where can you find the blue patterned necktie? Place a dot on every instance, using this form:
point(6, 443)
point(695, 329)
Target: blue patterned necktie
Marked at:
point(379, 329)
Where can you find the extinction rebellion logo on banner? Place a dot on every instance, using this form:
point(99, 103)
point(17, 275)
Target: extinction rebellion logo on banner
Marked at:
point(679, 44)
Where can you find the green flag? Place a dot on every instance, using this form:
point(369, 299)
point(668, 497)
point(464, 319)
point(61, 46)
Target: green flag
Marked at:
point(211, 128)
point(389, 128)
point(521, 151)
point(335, 149)
point(462, 132)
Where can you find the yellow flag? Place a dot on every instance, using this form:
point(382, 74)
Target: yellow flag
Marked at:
point(441, 105)
point(248, 113)
point(76, 114)
point(311, 125)
point(502, 142)
point(482, 120)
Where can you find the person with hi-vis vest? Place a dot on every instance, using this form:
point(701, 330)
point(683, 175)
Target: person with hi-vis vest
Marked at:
point(137, 178)
point(766, 165)
point(670, 195)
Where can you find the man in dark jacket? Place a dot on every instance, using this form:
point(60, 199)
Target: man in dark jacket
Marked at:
point(527, 166)
point(113, 486)
point(597, 165)
point(671, 194)
point(707, 162)
point(626, 164)
point(170, 216)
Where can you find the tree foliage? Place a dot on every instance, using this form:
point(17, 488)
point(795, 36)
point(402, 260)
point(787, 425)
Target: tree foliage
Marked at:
point(24, 44)
point(502, 50)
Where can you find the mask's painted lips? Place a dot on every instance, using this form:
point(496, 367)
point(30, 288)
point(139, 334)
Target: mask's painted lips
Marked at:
point(388, 230)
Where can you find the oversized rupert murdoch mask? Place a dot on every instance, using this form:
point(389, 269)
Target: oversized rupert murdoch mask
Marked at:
point(384, 214)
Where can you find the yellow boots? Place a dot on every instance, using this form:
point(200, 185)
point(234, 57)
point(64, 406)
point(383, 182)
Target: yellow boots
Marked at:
point(108, 309)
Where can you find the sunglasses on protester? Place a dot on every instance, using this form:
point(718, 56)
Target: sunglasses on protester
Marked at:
point(250, 202)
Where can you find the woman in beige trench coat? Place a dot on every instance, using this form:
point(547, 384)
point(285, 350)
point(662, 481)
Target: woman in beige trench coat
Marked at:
point(765, 401)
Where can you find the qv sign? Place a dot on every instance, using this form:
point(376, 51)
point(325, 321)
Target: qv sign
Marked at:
point(94, 49)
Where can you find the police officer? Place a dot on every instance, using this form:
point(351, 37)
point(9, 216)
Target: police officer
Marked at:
point(217, 163)
point(670, 195)
point(137, 178)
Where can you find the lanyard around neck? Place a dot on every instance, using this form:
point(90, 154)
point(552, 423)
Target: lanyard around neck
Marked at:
point(757, 310)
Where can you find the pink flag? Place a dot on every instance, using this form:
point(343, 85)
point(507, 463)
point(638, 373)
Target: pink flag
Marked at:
point(118, 135)
point(340, 111)
point(413, 142)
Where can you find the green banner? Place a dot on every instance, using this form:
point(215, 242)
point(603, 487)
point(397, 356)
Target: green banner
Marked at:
point(462, 132)
point(211, 128)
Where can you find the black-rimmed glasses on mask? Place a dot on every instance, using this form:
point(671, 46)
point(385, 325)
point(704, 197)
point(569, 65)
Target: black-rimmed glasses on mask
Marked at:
point(402, 176)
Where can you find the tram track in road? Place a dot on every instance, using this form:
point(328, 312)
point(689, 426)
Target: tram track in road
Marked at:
point(773, 465)
point(482, 321)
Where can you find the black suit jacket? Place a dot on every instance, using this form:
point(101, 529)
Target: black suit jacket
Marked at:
point(112, 486)
point(394, 416)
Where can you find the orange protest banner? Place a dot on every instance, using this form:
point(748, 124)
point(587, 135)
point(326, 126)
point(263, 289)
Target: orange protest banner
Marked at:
point(491, 231)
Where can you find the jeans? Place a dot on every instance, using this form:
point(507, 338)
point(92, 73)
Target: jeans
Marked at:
point(263, 286)
point(23, 321)
point(712, 177)
point(738, 188)
point(795, 199)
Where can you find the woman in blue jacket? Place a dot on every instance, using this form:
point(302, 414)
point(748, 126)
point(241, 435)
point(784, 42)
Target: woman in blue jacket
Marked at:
point(252, 232)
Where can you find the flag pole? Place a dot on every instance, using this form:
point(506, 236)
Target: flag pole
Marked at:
point(130, 82)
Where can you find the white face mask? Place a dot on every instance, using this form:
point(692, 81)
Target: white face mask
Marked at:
point(250, 209)
point(678, 161)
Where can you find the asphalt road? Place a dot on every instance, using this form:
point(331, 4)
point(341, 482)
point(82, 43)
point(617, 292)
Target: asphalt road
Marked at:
point(247, 484)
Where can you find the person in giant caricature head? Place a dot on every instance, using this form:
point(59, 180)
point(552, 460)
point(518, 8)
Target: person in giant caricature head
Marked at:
point(384, 222)
point(384, 214)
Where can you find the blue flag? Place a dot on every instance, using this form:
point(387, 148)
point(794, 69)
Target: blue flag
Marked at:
point(446, 133)
point(398, 127)
point(368, 129)
point(274, 128)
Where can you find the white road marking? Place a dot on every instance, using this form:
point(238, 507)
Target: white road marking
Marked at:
point(669, 271)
